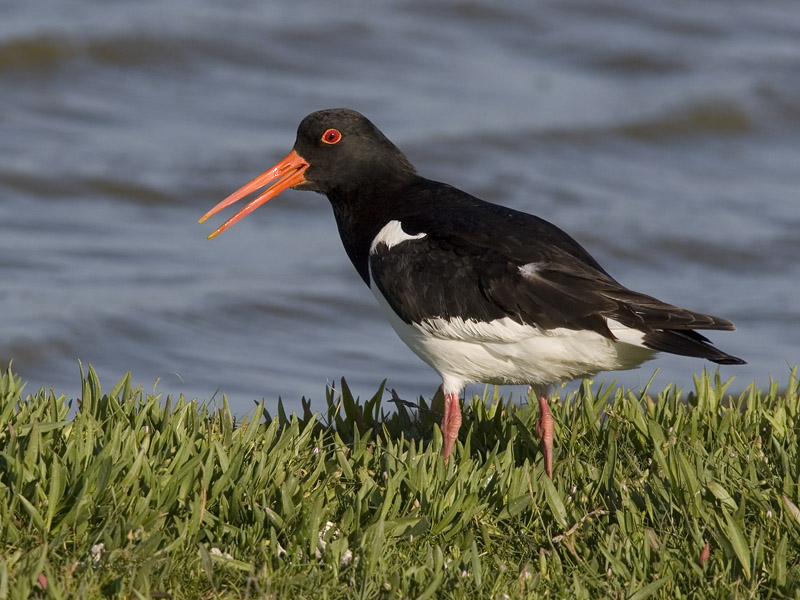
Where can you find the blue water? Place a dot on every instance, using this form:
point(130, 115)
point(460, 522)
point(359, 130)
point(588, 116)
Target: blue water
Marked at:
point(665, 138)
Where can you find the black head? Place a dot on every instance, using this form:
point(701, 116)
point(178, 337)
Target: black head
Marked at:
point(338, 152)
point(344, 150)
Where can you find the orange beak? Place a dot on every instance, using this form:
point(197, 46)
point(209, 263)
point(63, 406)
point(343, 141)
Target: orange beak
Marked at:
point(287, 173)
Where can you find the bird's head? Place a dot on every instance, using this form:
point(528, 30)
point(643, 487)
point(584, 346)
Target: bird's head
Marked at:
point(336, 151)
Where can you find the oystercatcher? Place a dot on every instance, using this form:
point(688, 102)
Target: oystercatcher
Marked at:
point(480, 292)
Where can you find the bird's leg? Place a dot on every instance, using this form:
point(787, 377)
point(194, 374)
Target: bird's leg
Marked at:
point(451, 422)
point(544, 429)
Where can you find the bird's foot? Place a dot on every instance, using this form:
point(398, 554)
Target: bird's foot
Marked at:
point(544, 429)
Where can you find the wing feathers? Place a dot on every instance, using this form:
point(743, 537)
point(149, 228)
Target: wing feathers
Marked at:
point(536, 274)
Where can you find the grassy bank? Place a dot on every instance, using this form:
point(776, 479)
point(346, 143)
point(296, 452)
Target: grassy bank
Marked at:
point(668, 495)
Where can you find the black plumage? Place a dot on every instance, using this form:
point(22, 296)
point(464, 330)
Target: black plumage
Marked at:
point(478, 248)
point(465, 279)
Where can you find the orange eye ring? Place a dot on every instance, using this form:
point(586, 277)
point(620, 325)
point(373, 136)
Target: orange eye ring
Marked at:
point(331, 136)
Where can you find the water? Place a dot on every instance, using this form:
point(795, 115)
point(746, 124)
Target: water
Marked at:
point(665, 138)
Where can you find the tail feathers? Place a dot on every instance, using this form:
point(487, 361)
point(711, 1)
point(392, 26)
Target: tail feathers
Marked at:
point(688, 343)
point(647, 313)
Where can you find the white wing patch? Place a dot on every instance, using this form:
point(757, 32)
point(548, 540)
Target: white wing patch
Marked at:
point(626, 334)
point(531, 269)
point(392, 234)
point(503, 330)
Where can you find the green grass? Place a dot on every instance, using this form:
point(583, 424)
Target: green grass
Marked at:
point(127, 495)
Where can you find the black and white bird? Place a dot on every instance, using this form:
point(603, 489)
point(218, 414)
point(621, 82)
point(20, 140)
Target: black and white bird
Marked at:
point(480, 292)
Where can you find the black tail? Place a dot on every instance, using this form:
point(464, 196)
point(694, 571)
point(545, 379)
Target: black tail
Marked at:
point(687, 342)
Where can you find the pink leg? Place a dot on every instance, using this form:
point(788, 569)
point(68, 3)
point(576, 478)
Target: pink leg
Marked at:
point(451, 422)
point(544, 429)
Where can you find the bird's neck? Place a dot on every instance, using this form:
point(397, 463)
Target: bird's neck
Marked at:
point(361, 213)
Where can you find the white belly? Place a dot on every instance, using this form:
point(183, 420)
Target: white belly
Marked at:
point(504, 352)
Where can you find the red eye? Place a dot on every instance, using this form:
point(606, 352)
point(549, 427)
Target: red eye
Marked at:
point(331, 136)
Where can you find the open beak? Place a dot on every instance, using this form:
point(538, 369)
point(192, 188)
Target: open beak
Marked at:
point(287, 173)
